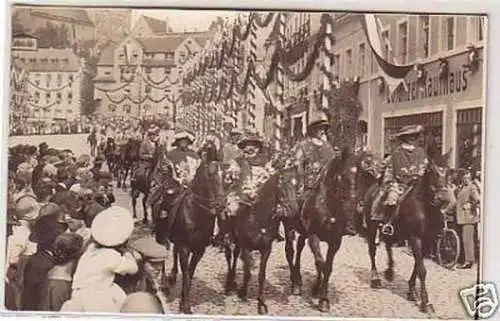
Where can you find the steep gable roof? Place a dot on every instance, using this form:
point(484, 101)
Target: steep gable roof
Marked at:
point(66, 14)
point(157, 26)
point(161, 43)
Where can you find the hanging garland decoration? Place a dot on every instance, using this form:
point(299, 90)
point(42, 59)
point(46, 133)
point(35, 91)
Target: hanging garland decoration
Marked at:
point(126, 97)
point(107, 90)
point(166, 79)
point(173, 101)
point(266, 22)
point(68, 84)
point(46, 107)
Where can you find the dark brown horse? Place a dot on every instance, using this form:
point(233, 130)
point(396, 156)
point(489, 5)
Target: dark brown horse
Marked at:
point(338, 180)
point(194, 211)
point(128, 157)
point(419, 222)
point(141, 184)
point(255, 227)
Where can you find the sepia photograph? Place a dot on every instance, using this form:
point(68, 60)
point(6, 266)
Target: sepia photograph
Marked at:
point(246, 162)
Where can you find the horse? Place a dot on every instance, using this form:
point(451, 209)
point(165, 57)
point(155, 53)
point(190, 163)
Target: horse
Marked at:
point(337, 182)
point(255, 227)
point(142, 185)
point(194, 210)
point(418, 223)
point(129, 155)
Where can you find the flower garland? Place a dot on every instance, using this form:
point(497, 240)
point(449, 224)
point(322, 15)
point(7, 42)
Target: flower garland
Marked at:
point(157, 84)
point(68, 84)
point(44, 107)
point(127, 97)
point(106, 90)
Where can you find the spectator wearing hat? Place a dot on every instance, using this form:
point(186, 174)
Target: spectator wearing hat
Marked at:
point(48, 226)
point(94, 289)
point(42, 149)
point(38, 170)
point(44, 190)
point(67, 248)
point(19, 249)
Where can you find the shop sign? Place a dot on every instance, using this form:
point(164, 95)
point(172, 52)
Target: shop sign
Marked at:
point(433, 86)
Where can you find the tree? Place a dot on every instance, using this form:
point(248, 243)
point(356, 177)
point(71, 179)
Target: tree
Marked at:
point(17, 26)
point(52, 36)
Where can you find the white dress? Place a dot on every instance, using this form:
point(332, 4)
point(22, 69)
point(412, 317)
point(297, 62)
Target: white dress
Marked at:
point(93, 287)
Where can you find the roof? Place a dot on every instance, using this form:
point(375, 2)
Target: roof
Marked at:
point(66, 14)
point(48, 60)
point(107, 55)
point(161, 43)
point(156, 25)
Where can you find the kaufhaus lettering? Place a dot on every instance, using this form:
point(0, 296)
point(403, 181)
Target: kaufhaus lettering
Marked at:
point(434, 86)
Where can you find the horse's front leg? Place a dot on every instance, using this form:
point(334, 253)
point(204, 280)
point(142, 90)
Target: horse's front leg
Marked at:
point(172, 277)
point(416, 246)
point(231, 260)
point(264, 257)
point(134, 194)
point(247, 265)
point(289, 252)
point(389, 272)
point(375, 281)
point(301, 243)
point(145, 208)
point(185, 305)
point(333, 247)
point(318, 262)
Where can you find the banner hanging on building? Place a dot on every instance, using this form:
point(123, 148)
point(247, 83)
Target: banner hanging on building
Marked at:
point(392, 73)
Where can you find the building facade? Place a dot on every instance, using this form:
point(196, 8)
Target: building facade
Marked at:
point(49, 79)
point(142, 76)
point(445, 92)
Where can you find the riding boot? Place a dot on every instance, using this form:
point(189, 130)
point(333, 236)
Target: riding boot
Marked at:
point(388, 228)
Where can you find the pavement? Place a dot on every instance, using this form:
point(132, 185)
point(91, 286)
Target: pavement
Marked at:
point(350, 293)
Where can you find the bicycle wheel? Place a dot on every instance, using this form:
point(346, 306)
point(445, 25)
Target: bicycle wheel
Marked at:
point(448, 248)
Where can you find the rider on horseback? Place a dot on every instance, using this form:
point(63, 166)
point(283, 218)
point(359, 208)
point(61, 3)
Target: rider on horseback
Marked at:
point(406, 164)
point(146, 152)
point(184, 162)
point(311, 156)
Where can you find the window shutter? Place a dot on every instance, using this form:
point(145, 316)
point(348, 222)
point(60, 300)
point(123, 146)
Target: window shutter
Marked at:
point(435, 34)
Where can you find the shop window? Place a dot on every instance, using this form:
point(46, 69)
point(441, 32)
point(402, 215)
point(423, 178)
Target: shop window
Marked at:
point(386, 44)
point(403, 42)
point(432, 122)
point(450, 31)
point(469, 133)
point(425, 39)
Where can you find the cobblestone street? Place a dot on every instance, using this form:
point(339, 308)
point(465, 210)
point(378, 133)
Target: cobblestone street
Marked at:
point(350, 292)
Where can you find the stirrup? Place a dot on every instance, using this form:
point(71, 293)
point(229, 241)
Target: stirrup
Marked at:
point(388, 229)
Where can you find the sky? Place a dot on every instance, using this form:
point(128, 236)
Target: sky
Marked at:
point(184, 20)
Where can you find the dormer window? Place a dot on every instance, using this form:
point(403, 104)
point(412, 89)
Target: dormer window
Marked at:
point(65, 60)
point(33, 60)
point(54, 60)
point(70, 77)
point(44, 60)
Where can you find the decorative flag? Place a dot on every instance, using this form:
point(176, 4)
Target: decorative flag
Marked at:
point(392, 73)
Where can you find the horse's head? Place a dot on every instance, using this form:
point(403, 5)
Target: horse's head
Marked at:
point(341, 177)
point(287, 186)
point(436, 177)
point(207, 183)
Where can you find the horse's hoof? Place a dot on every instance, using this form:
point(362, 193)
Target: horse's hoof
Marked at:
point(324, 305)
point(315, 291)
point(427, 308)
point(262, 308)
point(296, 290)
point(411, 295)
point(242, 294)
point(389, 275)
point(375, 283)
point(231, 287)
point(171, 280)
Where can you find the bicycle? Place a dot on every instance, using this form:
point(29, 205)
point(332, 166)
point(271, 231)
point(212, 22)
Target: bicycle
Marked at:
point(448, 245)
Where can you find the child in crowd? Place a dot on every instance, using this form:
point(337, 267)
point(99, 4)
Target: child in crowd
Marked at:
point(94, 289)
point(67, 248)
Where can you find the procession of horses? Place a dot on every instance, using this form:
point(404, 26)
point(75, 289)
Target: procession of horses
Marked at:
point(195, 211)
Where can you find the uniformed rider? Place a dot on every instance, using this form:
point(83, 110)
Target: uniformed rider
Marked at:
point(184, 162)
point(146, 153)
point(405, 165)
point(311, 156)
